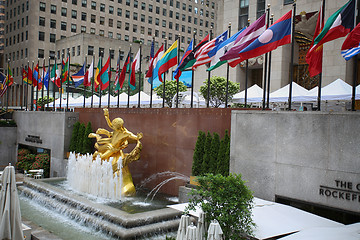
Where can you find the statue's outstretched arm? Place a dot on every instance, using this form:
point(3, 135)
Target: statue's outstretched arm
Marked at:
point(104, 131)
point(132, 138)
point(106, 114)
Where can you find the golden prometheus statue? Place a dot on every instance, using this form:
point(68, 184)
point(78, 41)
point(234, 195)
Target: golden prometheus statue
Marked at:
point(113, 146)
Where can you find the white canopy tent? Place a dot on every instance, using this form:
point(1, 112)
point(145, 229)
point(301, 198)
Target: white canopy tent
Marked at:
point(282, 94)
point(254, 94)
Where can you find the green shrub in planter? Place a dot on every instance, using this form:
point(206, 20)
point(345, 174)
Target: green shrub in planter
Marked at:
point(80, 138)
point(215, 143)
point(223, 159)
point(42, 161)
point(74, 136)
point(207, 151)
point(87, 142)
point(25, 162)
point(198, 154)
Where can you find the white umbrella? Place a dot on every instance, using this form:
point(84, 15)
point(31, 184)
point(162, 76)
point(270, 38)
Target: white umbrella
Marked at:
point(191, 232)
point(184, 223)
point(10, 222)
point(214, 232)
point(201, 227)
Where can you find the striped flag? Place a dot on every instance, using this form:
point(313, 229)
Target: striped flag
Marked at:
point(150, 74)
point(9, 77)
point(78, 78)
point(125, 68)
point(3, 85)
point(351, 45)
point(117, 74)
point(202, 56)
point(97, 79)
point(178, 71)
point(135, 66)
point(89, 75)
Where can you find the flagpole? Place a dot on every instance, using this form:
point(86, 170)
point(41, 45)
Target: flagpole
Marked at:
point(92, 83)
point(32, 87)
point(320, 74)
point(246, 72)
point(151, 84)
point(37, 86)
point(109, 75)
point(68, 83)
point(118, 96)
point(55, 66)
point(266, 59)
point(22, 88)
point(60, 90)
point(177, 80)
point(8, 88)
point(192, 75)
point(139, 78)
point(208, 83)
point(27, 88)
point(269, 72)
point(354, 84)
point(48, 86)
point(84, 79)
point(292, 55)
point(42, 86)
point(100, 83)
point(128, 102)
point(227, 73)
point(164, 81)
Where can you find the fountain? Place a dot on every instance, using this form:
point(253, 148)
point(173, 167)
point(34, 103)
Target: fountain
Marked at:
point(104, 175)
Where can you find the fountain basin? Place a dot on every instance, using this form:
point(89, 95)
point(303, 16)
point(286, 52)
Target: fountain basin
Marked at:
point(110, 220)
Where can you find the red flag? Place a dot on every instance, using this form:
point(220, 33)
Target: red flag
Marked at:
point(105, 75)
point(123, 73)
point(30, 76)
point(135, 66)
point(315, 55)
point(89, 75)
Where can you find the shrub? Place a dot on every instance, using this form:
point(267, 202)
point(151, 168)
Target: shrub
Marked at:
point(226, 199)
point(42, 161)
point(223, 158)
point(214, 150)
point(25, 162)
point(207, 150)
point(80, 138)
point(87, 142)
point(198, 154)
point(74, 136)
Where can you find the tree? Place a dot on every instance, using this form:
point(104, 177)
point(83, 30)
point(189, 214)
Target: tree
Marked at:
point(226, 199)
point(218, 90)
point(43, 101)
point(198, 154)
point(74, 135)
point(215, 143)
point(80, 138)
point(207, 151)
point(223, 159)
point(87, 142)
point(170, 90)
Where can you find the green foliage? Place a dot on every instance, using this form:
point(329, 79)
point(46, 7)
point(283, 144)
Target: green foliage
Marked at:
point(228, 200)
point(7, 123)
point(223, 158)
point(215, 143)
point(198, 154)
point(170, 90)
point(42, 161)
point(25, 160)
point(80, 138)
point(207, 151)
point(170, 238)
point(218, 90)
point(74, 137)
point(87, 142)
point(43, 101)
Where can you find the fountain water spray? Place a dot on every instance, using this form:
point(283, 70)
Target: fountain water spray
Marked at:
point(95, 177)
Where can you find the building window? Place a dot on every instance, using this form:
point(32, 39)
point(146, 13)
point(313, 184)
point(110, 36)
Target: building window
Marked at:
point(90, 50)
point(93, 5)
point(142, 29)
point(52, 23)
point(156, 33)
point(52, 37)
point(52, 54)
point(84, 3)
point(111, 9)
point(171, 13)
point(74, 2)
point(142, 18)
point(102, 20)
point(288, 1)
point(42, 21)
point(243, 13)
point(101, 52)
point(102, 7)
point(143, 6)
point(73, 14)
point(136, 4)
point(170, 25)
point(118, 24)
point(150, 8)
point(127, 2)
point(63, 12)
point(126, 38)
point(73, 51)
point(150, 20)
point(157, 10)
point(127, 14)
point(127, 26)
point(41, 36)
point(110, 34)
point(92, 30)
point(40, 53)
point(157, 21)
point(260, 8)
point(119, 11)
point(164, 12)
point(93, 18)
point(163, 23)
point(135, 16)
point(83, 16)
point(135, 28)
point(149, 31)
point(118, 36)
point(101, 32)
point(73, 28)
point(42, 7)
point(83, 29)
point(53, 9)
point(63, 26)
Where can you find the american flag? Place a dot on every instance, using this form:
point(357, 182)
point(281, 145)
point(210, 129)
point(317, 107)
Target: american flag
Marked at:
point(202, 56)
point(152, 52)
point(3, 85)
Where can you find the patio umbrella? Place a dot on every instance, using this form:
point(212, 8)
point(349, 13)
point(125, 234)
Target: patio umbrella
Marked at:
point(191, 232)
point(10, 221)
point(184, 223)
point(201, 227)
point(214, 232)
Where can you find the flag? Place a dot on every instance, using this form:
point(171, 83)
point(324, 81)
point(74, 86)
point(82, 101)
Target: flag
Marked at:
point(135, 66)
point(89, 75)
point(190, 59)
point(151, 59)
point(314, 55)
point(117, 74)
point(25, 76)
point(55, 76)
point(178, 71)
point(9, 77)
point(3, 85)
point(243, 40)
point(40, 81)
point(168, 60)
point(150, 74)
point(97, 80)
point(202, 56)
point(276, 35)
point(64, 70)
point(125, 68)
point(220, 50)
point(30, 75)
point(338, 25)
point(104, 75)
point(351, 45)
point(46, 78)
point(36, 75)
point(78, 78)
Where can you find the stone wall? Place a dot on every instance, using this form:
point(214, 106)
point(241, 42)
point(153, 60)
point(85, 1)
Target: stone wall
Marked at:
point(307, 156)
point(7, 146)
point(48, 130)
